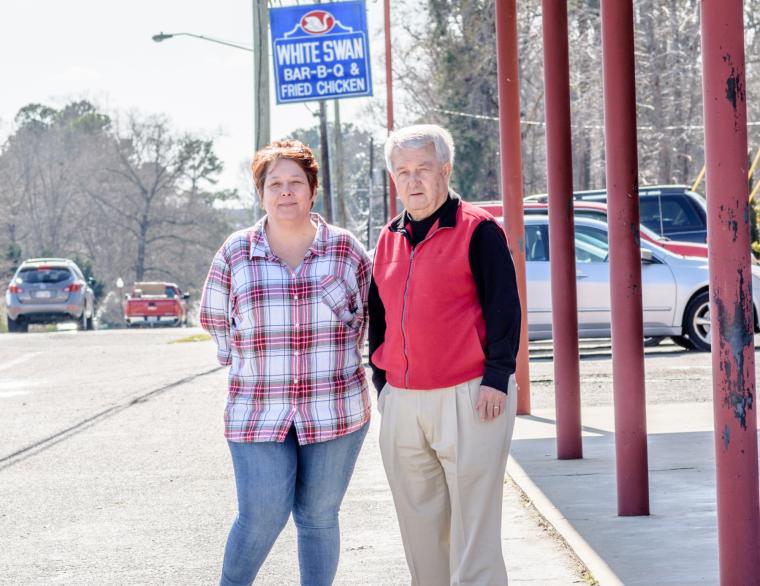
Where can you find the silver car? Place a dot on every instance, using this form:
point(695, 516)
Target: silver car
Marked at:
point(49, 290)
point(674, 288)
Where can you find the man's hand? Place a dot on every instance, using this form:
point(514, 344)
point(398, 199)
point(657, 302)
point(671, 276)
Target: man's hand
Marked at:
point(490, 403)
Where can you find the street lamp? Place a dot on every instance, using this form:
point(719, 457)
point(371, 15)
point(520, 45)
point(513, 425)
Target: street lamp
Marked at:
point(163, 36)
point(260, 71)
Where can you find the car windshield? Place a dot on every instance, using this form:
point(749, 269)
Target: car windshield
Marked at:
point(44, 275)
point(677, 214)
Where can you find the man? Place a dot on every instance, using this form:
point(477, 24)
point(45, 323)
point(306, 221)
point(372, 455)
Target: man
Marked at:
point(444, 333)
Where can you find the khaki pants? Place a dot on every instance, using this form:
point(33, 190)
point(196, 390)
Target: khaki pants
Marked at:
point(446, 469)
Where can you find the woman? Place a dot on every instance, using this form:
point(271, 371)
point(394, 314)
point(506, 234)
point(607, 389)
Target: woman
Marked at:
point(286, 303)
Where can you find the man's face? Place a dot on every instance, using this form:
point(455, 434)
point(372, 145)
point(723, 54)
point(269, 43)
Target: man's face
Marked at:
point(421, 179)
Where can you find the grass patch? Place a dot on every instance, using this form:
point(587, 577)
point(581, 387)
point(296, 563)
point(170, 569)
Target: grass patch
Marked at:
point(193, 338)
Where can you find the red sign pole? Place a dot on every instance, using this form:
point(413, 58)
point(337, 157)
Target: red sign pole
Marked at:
point(731, 314)
point(389, 97)
point(511, 174)
point(559, 162)
point(625, 258)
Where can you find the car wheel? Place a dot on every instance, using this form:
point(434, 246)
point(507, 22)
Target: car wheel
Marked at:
point(683, 342)
point(82, 321)
point(17, 326)
point(697, 322)
point(91, 319)
point(652, 341)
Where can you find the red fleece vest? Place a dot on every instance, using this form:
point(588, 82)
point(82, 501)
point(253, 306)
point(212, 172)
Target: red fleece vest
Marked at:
point(435, 333)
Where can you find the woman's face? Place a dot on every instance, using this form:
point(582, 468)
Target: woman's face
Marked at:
point(287, 196)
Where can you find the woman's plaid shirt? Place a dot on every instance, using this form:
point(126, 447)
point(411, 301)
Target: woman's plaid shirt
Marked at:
point(293, 339)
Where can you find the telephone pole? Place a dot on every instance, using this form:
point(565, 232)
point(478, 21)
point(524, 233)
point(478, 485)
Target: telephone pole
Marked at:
point(260, 74)
point(324, 152)
point(338, 166)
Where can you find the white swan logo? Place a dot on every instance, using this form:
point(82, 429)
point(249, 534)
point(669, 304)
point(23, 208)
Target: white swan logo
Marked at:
point(317, 22)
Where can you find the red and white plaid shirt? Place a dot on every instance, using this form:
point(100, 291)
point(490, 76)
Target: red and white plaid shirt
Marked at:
point(293, 338)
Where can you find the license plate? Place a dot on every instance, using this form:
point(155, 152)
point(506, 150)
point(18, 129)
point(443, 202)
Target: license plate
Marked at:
point(43, 294)
point(152, 318)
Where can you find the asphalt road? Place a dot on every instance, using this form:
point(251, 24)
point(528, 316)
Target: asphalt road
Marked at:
point(114, 470)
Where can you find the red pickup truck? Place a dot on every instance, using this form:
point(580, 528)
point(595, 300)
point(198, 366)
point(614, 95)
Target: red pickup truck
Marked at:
point(155, 303)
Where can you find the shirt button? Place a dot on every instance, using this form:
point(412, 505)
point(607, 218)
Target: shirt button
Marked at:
point(295, 353)
point(296, 325)
point(295, 296)
point(295, 380)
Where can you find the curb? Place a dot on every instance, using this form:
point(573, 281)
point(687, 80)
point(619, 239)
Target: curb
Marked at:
point(598, 568)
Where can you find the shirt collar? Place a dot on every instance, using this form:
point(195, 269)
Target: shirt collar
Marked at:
point(446, 219)
point(260, 246)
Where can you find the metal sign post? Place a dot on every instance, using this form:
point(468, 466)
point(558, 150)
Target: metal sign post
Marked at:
point(320, 52)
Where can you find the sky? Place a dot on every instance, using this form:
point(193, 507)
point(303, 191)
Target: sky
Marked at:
point(55, 51)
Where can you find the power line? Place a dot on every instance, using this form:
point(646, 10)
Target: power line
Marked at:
point(585, 126)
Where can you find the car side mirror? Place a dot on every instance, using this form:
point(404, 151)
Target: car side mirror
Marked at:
point(647, 257)
point(186, 296)
point(90, 281)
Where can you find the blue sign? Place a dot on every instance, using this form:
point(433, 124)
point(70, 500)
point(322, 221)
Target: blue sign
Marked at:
point(320, 51)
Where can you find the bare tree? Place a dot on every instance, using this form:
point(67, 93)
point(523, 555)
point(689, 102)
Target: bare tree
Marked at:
point(138, 200)
point(152, 184)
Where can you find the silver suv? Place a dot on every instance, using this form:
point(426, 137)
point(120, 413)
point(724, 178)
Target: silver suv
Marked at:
point(49, 290)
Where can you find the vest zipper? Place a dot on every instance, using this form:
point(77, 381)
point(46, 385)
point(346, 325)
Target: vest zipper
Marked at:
point(406, 292)
point(403, 316)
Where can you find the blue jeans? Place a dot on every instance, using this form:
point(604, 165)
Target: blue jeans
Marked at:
point(274, 479)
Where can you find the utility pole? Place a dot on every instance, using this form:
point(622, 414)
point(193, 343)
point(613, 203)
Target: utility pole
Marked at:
point(391, 196)
point(340, 193)
point(261, 73)
point(370, 189)
point(324, 152)
point(385, 196)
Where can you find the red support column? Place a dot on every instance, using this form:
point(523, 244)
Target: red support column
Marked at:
point(389, 97)
point(511, 174)
point(733, 355)
point(561, 230)
point(625, 258)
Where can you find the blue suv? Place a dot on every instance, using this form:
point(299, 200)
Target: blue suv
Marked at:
point(673, 211)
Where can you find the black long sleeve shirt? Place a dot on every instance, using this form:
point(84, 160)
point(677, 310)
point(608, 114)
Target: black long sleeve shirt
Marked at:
point(496, 284)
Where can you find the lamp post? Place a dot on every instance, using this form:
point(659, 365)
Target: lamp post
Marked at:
point(261, 91)
point(164, 36)
point(260, 73)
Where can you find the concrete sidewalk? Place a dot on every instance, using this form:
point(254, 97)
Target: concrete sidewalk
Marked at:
point(677, 543)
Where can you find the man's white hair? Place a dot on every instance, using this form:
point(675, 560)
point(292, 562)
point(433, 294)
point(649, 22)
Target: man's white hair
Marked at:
point(418, 137)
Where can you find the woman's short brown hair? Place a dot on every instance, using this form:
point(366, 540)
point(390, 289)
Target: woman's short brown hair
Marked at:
point(290, 149)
